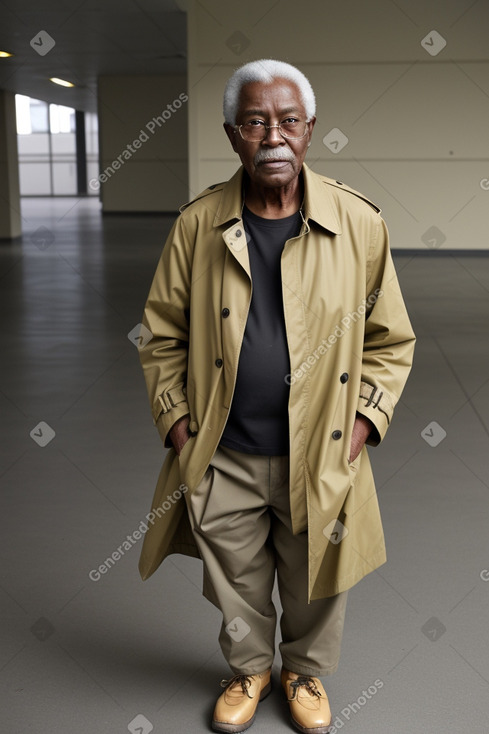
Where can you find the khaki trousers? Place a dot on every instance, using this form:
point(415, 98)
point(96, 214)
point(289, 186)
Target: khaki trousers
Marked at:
point(240, 517)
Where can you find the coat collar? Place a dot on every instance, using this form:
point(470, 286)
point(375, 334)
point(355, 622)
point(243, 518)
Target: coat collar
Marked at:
point(319, 204)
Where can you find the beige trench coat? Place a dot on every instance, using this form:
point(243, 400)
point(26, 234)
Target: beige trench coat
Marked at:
point(350, 345)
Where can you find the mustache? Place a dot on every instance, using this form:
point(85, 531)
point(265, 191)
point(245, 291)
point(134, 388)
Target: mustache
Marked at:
point(274, 154)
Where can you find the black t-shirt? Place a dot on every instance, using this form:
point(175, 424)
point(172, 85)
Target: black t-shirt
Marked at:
point(258, 421)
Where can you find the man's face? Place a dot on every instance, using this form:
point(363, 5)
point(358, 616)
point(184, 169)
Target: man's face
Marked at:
point(275, 161)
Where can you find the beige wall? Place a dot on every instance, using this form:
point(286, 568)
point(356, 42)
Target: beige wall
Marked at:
point(417, 124)
point(10, 225)
point(152, 171)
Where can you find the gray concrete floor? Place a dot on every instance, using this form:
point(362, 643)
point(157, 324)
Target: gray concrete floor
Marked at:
point(91, 656)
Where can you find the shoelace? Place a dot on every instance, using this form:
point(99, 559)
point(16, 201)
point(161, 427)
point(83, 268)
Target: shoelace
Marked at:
point(243, 680)
point(305, 681)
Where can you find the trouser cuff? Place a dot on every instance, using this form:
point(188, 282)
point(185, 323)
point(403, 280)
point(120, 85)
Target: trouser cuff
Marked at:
point(306, 670)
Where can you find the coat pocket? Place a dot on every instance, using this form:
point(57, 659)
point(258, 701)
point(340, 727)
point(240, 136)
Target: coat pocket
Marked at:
point(353, 466)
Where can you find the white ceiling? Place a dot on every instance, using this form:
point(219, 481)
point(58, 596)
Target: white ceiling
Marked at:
point(92, 37)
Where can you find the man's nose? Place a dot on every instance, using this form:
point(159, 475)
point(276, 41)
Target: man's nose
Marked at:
point(273, 135)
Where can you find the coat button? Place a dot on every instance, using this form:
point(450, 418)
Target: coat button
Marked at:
point(218, 362)
point(344, 377)
point(336, 435)
point(225, 313)
point(238, 233)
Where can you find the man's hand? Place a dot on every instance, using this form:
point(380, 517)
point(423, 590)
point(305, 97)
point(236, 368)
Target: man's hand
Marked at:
point(361, 430)
point(179, 434)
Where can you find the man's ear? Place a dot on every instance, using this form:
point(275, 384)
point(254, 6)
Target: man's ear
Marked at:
point(231, 135)
point(310, 127)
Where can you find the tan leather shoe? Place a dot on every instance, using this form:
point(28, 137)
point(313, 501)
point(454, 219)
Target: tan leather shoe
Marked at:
point(236, 707)
point(308, 702)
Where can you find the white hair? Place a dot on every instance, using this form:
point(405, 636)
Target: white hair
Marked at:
point(265, 70)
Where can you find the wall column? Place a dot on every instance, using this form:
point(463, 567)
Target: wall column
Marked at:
point(142, 142)
point(10, 226)
point(81, 152)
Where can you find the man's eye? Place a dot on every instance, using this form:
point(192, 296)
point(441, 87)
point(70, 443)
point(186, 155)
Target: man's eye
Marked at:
point(289, 121)
point(255, 123)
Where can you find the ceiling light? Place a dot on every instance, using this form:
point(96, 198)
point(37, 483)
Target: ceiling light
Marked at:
point(5, 54)
point(61, 82)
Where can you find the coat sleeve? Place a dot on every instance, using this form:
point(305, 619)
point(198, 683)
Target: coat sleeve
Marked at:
point(388, 342)
point(166, 314)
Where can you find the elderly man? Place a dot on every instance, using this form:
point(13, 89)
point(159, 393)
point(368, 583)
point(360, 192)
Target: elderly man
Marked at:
point(280, 346)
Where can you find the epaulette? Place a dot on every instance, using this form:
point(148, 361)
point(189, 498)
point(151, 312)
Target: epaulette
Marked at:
point(206, 192)
point(344, 187)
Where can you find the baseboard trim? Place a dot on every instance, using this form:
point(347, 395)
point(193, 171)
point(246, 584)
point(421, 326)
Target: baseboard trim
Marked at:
point(405, 252)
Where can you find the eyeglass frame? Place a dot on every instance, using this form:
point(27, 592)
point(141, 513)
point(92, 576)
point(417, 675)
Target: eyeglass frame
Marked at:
point(237, 128)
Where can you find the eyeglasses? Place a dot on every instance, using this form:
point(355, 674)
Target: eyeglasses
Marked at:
point(256, 130)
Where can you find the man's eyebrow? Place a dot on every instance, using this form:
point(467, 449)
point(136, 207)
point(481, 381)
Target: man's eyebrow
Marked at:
point(261, 113)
